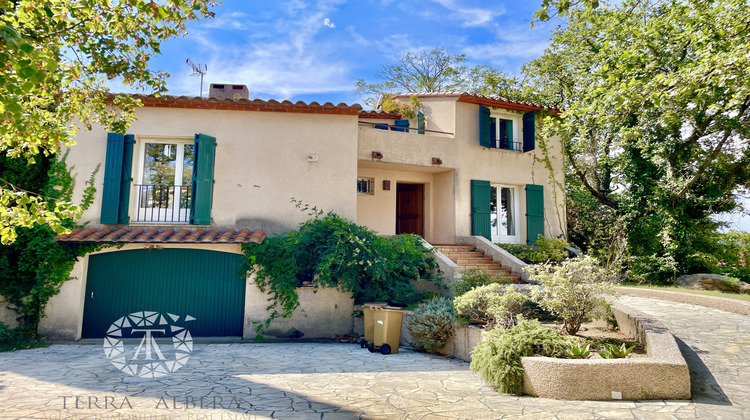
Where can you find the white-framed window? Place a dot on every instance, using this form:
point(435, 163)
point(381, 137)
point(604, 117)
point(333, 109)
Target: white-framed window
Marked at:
point(163, 191)
point(504, 214)
point(365, 185)
point(505, 131)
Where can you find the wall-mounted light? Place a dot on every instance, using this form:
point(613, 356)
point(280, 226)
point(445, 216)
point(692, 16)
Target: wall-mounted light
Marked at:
point(376, 156)
point(312, 157)
point(437, 161)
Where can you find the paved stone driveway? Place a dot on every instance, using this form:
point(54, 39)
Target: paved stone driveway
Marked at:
point(338, 381)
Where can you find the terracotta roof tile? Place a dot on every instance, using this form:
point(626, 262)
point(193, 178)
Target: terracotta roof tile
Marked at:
point(380, 114)
point(483, 100)
point(131, 235)
point(100, 234)
point(114, 235)
point(182, 236)
point(179, 235)
point(147, 235)
point(271, 105)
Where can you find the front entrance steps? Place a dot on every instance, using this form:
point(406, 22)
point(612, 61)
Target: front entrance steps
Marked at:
point(468, 256)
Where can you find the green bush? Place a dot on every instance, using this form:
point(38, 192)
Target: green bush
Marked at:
point(498, 357)
point(474, 277)
point(330, 251)
point(431, 323)
point(575, 290)
point(544, 250)
point(18, 339)
point(491, 305)
point(733, 255)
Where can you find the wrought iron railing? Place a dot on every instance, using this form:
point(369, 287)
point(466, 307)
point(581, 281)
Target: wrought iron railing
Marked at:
point(508, 145)
point(163, 203)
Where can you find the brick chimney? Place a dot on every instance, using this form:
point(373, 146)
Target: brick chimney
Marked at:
point(228, 91)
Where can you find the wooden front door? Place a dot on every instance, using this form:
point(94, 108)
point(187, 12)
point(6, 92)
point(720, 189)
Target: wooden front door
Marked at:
point(410, 209)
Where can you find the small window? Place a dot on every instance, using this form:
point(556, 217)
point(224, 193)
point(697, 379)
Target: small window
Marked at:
point(164, 193)
point(366, 186)
point(502, 134)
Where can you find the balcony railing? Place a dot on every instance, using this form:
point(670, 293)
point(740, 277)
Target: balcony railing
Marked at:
point(163, 203)
point(515, 146)
point(400, 128)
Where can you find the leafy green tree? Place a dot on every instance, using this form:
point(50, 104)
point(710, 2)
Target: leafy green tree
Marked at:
point(434, 70)
point(656, 125)
point(56, 57)
point(437, 70)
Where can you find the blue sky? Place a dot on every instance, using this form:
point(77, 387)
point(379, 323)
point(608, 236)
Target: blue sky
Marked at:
point(316, 50)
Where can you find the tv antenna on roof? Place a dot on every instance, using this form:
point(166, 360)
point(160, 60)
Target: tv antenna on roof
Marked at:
point(198, 70)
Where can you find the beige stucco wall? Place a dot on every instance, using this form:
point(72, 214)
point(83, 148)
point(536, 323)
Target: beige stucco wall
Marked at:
point(7, 315)
point(463, 160)
point(507, 168)
point(440, 115)
point(378, 210)
point(325, 313)
point(261, 162)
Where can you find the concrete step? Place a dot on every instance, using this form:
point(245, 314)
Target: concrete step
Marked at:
point(467, 256)
point(455, 248)
point(475, 260)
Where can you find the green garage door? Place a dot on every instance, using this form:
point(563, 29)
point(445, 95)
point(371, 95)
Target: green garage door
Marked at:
point(205, 285)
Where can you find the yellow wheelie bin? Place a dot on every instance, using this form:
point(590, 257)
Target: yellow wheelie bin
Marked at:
point(367, 309)
point(387, 329)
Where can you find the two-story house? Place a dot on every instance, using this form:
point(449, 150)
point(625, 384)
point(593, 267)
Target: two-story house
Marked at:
point(195, 178)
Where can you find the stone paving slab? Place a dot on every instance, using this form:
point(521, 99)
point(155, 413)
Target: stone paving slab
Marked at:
point(342, 381)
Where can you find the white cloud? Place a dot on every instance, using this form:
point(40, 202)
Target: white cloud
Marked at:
point(471, 16)
point(513, 41)
point(234, 20)
point(359, 39)
point(288, 61)
point(497, 52)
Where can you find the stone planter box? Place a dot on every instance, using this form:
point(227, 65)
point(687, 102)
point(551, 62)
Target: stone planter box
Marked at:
point(663, 374)
point(465, 338)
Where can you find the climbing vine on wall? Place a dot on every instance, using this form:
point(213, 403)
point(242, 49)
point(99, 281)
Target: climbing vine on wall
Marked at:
point(330, 251)
point(33, 268)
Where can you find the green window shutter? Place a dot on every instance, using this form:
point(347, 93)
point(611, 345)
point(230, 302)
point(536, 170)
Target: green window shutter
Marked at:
point(125, 179)
point(493, 132)
point(534, 213)
point(112, 179)
point(529, 131)
point(203, 179)
point(509, 135)
point(480, 208)
point(484, 127)
point(420, 122)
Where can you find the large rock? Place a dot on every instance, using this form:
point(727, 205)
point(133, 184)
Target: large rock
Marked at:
point(712, 282)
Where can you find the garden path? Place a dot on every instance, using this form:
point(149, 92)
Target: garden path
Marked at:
point(341, 381)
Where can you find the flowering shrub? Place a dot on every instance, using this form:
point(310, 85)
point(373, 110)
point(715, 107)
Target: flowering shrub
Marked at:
point(574, 290)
